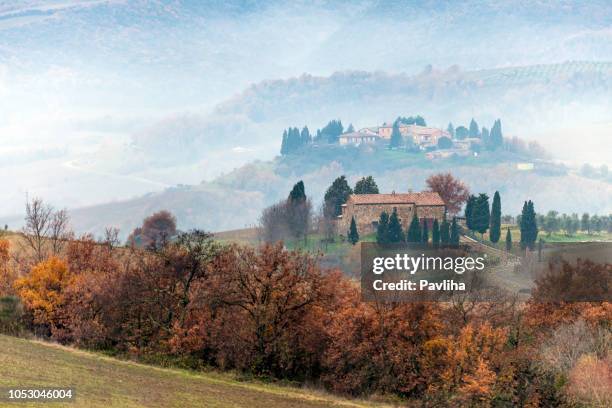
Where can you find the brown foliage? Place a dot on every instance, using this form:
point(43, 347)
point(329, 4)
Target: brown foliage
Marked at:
point(8, 275)
point(454, 192)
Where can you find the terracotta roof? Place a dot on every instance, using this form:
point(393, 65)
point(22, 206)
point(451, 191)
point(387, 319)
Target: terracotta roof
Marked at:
point(358, 135)
point(423, 198)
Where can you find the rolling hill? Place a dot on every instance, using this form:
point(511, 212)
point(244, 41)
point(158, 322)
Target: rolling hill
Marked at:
point(101, 381)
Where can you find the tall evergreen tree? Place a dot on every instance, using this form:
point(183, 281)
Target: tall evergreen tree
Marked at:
point(508, 240)
point(382, 231)
point(305, 137)
point(350, 128)
point(414, 230)
point(425, 234)
point(445, 232)
point(454, 232)
point(485, 136)
point(353, 235)
point(495, 226)
point(496, 139)
point(435, 234)
point(474, 131)
point(469, 212)
point(396, 136)
point(451, 130)
point(481, 214)
point(529, 226)
point(335, 196)
point(366, 185)
point(395, 234)
point(283, 150)
point(298, 193)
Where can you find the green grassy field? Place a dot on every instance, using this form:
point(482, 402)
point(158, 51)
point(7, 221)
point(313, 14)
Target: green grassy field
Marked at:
point(101, 381)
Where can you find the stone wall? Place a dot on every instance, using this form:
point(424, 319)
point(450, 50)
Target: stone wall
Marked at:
point(367, 215)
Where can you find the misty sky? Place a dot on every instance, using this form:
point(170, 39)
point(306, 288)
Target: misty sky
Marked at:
point(81, 77)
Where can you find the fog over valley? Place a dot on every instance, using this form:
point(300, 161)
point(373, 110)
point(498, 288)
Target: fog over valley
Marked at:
point(117, 109)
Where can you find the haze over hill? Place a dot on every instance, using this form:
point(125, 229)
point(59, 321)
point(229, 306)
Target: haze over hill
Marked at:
point(107, 101)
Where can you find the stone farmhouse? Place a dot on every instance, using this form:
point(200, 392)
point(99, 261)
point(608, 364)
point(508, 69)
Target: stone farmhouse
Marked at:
point(421, 135)
point(366, 209)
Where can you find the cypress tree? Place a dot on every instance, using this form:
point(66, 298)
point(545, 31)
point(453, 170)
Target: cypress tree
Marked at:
point(445, 232)
point(469, 211)
point(495, 231)
point(414, 231)
point(481, 214)
point(394, 231)
point(283, 149)
point(496, 139)
point(435, 234)
point(474, 131)
point(529, 226)
point(508, 240)
point(382, 231)
point(454, 233)
point(353, 235)
point(396, 136)
point(451, 130)
point(425, 235)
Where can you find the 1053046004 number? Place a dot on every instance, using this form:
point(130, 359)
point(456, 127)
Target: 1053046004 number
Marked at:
point(36, 394)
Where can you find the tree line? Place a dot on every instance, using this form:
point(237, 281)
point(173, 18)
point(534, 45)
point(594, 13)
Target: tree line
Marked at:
point(274, 313)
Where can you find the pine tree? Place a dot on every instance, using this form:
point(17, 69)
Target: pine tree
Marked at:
point(454, 233)
point(495, 226)
point(396, 136)
point(350, 128)
point(445, 232)
point(481, 214)
point(469, 212)
point(382, 231)
point(451, 130)
point(298, 193)
point(366, 185)
point(474, 131)
point(353, 235)
point(425, 234)
point(435, 234)
point(414, 230)
point(335, 196)
point(395, 234)
point(508, 240)
point(529, 226)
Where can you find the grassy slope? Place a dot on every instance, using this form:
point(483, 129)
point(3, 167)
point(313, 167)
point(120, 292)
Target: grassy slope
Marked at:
point(101, 381)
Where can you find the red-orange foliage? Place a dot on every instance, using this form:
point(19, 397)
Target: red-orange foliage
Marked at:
point(454, 192)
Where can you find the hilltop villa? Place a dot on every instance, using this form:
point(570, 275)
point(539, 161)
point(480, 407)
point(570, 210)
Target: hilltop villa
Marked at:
point(421, 135)
point(366, 209)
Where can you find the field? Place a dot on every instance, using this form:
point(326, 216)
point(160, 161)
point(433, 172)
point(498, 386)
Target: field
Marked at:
point(101, 381)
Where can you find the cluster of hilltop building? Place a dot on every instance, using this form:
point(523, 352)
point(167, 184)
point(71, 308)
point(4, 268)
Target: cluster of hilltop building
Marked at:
point(423, 137)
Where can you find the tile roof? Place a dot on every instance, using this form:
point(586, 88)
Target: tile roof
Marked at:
point(422, 198)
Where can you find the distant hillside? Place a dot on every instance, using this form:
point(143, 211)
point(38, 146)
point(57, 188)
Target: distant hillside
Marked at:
point(235, 200)
point(537, 102)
